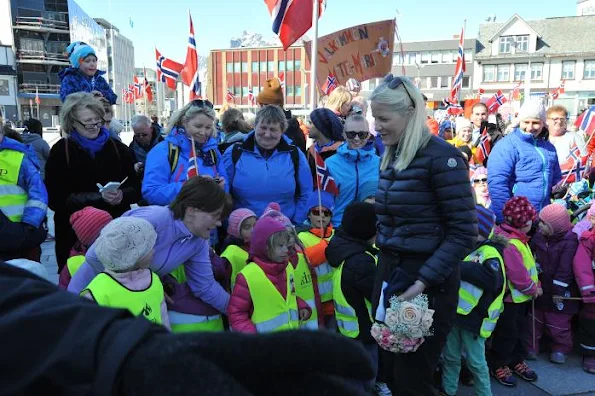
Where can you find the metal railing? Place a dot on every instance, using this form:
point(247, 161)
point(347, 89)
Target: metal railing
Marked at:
point(41, 88)
point(47, 20)
point(23, 54)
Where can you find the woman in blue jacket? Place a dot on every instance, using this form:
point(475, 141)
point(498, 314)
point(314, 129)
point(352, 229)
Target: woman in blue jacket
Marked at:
point(353, 165)
point(524, 162)
point(266, 168)
point(170, 163)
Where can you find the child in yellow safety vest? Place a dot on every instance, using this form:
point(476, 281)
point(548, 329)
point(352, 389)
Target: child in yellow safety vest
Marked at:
point(508, 350)
point(87, 223)
point(240, 225)
point(264, 298)
point(125, 248)
point(481, 294)
point(315, 240)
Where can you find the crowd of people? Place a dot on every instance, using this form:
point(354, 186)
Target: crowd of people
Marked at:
point(219, 223)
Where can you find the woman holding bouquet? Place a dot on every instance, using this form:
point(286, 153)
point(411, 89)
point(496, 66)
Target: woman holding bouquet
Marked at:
point(426, 225)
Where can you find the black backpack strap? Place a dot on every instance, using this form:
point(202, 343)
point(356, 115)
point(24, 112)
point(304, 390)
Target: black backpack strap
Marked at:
point(173, 155)
point(236, 153)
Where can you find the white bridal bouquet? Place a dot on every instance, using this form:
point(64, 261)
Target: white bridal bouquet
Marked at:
point(405, 325)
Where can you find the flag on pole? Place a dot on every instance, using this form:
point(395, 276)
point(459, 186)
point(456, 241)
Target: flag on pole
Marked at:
point(138, 88)
point(402, 53)
point(484, 147)
point(192, 164)
point(575, 166)
point(452, 108)
point(37, 100)
point(330, 84)
point(292, 18)
point(229, 96)
point(130, 93)
point(325, 181)
point(515, 94)
point(457, 81)
point(282, 80)
point(480, 91)
point(147, 86)
point(189, 73)
point(251, 97)
point(558, 91)
point(496, 101)
point(168, 70)
point(586, 121)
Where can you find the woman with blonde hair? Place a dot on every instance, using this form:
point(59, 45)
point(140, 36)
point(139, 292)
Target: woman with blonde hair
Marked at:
point(188, 150)
point(339, 101)
point(426, 225)
point(84, 157)
point(235, 128)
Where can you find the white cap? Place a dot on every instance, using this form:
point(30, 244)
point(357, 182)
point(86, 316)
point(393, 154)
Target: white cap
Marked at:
point(462, 123)
point(532, 109)
point(123, 242)
point(32, 266)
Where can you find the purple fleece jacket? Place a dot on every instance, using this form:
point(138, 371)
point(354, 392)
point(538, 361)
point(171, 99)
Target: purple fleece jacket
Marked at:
point(175, 245)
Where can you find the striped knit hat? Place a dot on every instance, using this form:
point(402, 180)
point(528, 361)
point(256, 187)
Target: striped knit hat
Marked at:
point(486, 220)
point(88, 222)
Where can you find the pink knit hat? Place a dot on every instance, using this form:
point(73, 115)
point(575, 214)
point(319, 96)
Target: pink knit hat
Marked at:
point(274, 210)
point(88, 222)
point(557, 217)
point(236, 218)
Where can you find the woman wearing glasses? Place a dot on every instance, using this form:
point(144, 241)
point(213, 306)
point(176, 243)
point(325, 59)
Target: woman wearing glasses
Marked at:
point(562, 139)
point(354, 164)
point(426, 225)
point(85, 157)
point(480, 185)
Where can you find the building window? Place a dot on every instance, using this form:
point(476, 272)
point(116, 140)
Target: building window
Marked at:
point(466, 82)
point(536, 71)
point(568, 70)
point(436, 56)
point(289, 65)
point(446, 56)
point(263, 66)
point(254, 67)
point(434, 82)
point(289, 90)
point(237, 67)
point(503, 73)
point(468, 55)
point(522, 44)
point(425, 57)
point(281, 66)
point(245, 91)
point(489, 73)
point(255, 90)
point(506, 43)
point(244, 67)
point(589, 69)
point(520, 71)
point(410, 58)
point(444, 82)
point(298, 90)
point(297, 64)
point(237, 91)
point(270, 66)
point(4, 90)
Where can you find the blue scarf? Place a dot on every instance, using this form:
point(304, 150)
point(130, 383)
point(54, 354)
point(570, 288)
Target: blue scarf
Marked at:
point(92, 146)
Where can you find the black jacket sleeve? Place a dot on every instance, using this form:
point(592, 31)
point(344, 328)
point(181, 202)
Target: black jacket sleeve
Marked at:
point(360, 271)
point(18, 237)
point(486, 276)
point(450, 179)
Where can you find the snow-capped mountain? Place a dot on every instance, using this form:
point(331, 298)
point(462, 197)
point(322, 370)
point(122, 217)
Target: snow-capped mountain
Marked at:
point(250, 39)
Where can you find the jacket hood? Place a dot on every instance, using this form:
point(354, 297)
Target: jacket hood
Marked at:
point(527, 137)
point(499, 241)
point(263, 229)
point(361, 154)
point(30, 137)
point(73, 71)
point(11, 144)
point(342, 246)
point(177, 136)
point(234, 137)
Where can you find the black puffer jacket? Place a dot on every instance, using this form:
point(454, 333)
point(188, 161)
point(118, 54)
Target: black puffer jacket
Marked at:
point(427, 210)
point(357, 280)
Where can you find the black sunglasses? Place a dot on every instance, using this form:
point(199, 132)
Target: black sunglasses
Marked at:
point(352, 134)
point(477, 181)
point(202, 103)
point(394, 82)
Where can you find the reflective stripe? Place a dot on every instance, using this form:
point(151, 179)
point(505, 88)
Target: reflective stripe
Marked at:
point(176, 317)
point(13, 210)
point(33, 203)
point(325, 287)
point(488, 325)
point(527, 288)
point(310, 325)
point(591, 348)
point(8, 189)
point(311, 303)
point(277, 322)
point(323, 269)
point(464, 305)
point(530, 267)
point(560, 283)
point(348, 325)
point(588, 287)
point(347, 311)
point(469, 296)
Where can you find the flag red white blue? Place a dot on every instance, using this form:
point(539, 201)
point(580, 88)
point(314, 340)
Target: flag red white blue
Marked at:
point(192, 171)
point(558, 91)
point(484, 147)
point(168, 70)
point(189, 73)
point(452, 108)
point(576, 165)
point(147, 87)
point(496, 101)
point(515, 94)
point(251, 97)
point(457, 81)
point(324, 180)
point(330, 84)
point(587, 120)
point(229, 96)
point(138, 88)
point(292, 18)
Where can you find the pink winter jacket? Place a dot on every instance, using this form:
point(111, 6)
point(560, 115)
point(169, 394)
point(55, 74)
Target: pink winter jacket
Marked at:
point(583, 266)
point(240, 307)
point(137, 280)
point(516, 272)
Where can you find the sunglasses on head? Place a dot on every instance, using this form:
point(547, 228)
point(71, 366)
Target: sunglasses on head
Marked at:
point(394, 82)
point(202, 103)
point(361, 134)
point(483, 180)
point(318, 212)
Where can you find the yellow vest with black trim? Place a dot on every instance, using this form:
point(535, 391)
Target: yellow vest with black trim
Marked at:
point(272, 312)
point(12, 197)
point(74, 263)
point(469, 294)
point(530, 266)
point(108, 292)
point(324, 272)
point(237, 257)
point(344, 313)
point(304, 289)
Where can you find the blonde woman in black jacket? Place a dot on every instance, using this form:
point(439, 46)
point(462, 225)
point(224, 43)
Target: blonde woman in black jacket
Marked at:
point(426, 224)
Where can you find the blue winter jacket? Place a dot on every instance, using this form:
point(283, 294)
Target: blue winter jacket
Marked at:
point(75, 81)
point(522, 165)
point(351, 169)
point(160, 187)
point(256, 181)
point(29, 180)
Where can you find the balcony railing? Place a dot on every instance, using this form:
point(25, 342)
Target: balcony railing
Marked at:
point(41, 88)
point(49, 22)
point(41, 56)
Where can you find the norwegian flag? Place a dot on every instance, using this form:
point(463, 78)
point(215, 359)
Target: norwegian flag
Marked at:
point(192, 165)
point(292, 18)
point(282, 80)
point(558, 91)
point(484, 147)
point(147, 87)
point(251, 97)
point(168, 70)
point(324, 180)
point(138, 88)
point(457, 81)
point(229, 96)
point(586, 121)
point(496, 101)
point(330, 84)
point(452, 108)
point(480, 91)
point(129, 98)
point(515, 94)
point(189, 73)
point(576, 166)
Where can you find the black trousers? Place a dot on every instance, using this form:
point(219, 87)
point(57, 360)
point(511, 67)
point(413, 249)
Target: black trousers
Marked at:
point(508, 341)
point(413, 373)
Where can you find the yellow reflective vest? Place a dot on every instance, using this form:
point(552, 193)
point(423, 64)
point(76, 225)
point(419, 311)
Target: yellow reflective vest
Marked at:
point(469, 294)
point(344, 313)
point(304, 289)
point(237, 257)
point(108, 292)
point(272, 312)
point(530, 266)
point(324, 272)
point(74, 263)
point(12, 197)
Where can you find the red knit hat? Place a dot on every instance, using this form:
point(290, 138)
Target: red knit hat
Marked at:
point(518, 211)
point(88, 222)
point(557, 217)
